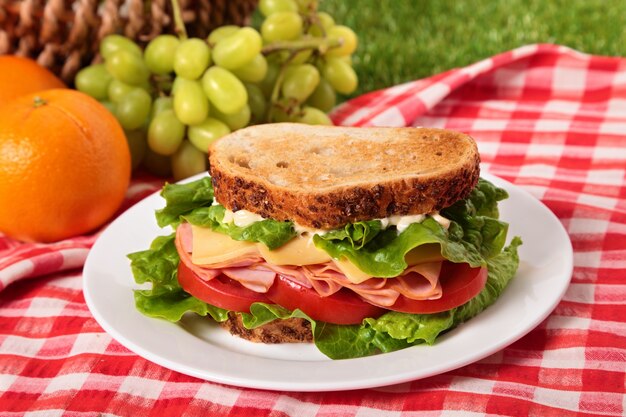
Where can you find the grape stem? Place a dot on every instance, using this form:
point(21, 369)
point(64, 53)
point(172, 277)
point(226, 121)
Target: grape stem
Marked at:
point(179, 25)
point(294, 48)
point(320, 44)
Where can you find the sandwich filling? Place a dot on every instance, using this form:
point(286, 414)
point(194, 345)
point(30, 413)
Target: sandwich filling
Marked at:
point(402, 266)
point(210, 254)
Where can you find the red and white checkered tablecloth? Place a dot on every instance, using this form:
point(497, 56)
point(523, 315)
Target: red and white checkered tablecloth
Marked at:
point(547, 118)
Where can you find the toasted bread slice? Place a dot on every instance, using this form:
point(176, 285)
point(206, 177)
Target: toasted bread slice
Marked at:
point(293, 330)
point(324, 177)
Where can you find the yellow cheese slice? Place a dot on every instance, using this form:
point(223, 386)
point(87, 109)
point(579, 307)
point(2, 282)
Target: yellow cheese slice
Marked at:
point(211, 247)
point(354, 274)
point(298, 251)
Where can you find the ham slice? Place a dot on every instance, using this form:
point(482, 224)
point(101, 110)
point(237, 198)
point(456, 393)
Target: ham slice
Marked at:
point(418, 282)
point(257, 279)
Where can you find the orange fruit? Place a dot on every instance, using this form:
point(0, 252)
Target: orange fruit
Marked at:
point(64, 165)
point(19, 76)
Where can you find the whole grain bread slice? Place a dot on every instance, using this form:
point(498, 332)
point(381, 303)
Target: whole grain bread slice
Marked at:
point(324, 177)
point(293, 330)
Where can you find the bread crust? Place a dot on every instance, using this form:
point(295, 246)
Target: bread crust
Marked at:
point(293, 330)
point(335, 204)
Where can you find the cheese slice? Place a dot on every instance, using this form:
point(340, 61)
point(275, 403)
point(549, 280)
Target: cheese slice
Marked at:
point(298, 251)
point(354, 274)
point(211, 247)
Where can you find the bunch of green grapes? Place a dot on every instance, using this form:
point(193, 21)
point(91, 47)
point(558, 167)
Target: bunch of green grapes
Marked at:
point(309, 61)
point(179, 94)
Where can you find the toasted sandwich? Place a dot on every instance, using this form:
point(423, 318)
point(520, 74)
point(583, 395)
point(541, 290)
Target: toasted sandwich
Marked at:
point(361, 240)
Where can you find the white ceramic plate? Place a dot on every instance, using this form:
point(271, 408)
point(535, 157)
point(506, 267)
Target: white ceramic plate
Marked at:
point(197, 347)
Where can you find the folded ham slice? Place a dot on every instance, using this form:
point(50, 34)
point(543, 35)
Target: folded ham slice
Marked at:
point(418, 282)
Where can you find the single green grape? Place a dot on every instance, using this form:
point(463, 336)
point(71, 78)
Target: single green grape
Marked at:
point(117, 89)
point(137, 145)
point(254, 71)
point(268, 7)
point(133, 109)
point(267, 84)
point(113, 43)
point(220, 33)
point(312, 116)
point(207, 132)
point(323, 97)
point(300, 81)
point(238, 49)
point(162, 103)
point(190, 103)
point(236, 120)
point(224, 90)
point(192, 58)
point(187, 161)
point(281, 26)
point(127, 67)
point(157, 164)
point(256, 102)
point(165, 133)
point(159, 54)
point(340, 75)
point(94, 80)
point(346, 36)
point(324, 20)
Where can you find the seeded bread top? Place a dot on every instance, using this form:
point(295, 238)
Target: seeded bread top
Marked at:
point(325, 177)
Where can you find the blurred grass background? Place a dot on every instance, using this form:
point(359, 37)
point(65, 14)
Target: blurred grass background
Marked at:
point(404, 40)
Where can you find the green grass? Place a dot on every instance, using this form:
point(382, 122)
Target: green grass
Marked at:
point(403, 40)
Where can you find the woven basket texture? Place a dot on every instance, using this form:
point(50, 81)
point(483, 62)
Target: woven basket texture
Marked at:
point(64, 35)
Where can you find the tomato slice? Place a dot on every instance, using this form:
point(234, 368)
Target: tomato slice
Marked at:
point(220, 291)
point(459, 284)
point(343, 307)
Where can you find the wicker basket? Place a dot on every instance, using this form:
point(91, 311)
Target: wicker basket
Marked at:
point(63, 35)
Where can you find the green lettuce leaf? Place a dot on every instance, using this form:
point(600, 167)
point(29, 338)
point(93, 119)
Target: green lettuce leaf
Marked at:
point(356, 234)
point(262, 313)
point(181, 199)
point(271, 233)
point(166, 299)
point(478, 215)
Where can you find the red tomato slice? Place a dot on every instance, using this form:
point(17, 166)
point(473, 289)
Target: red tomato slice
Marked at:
point(459, 283)
point(220, 291)
point(343, 307)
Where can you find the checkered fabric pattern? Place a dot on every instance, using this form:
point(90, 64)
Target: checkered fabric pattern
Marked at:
point(547, 118)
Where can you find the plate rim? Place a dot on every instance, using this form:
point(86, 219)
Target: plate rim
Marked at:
point(338, 384)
